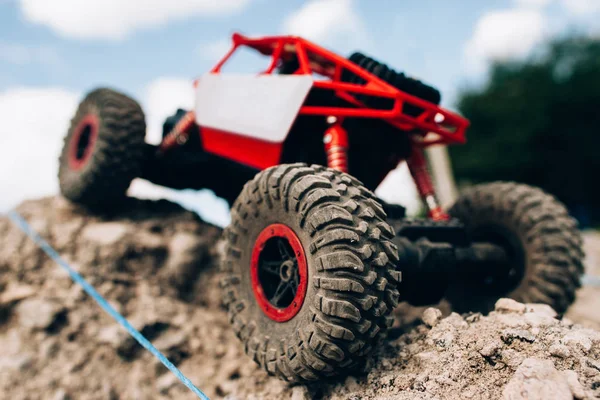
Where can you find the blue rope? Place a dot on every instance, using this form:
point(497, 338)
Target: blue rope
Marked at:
point(26, 228)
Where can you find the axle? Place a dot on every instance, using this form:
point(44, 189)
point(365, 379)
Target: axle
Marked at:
point(435, 254)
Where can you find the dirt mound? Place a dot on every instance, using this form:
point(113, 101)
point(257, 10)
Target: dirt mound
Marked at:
point(155, 263)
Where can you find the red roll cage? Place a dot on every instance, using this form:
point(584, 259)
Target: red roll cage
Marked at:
point(434, 125)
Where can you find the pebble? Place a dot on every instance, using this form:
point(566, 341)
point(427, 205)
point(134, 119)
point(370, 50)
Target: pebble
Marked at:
point(351, 384)
point(38, 313)
point(18, 362)
point(577, 340)
point(509, 306)
point(490, 349)
point(559, 350)
point(300, 393)
point(431, 316)
point(543, 309)
point(105, 233)
point(16, 292)
point(119, 339)
point(456, 320)
point(540, 320)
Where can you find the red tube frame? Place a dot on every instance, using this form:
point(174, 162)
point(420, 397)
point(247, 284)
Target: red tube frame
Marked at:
point(315, 59)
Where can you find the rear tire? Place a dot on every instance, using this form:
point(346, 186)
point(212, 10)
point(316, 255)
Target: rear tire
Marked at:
point(540, 236)
point(103, 149)
point(350, 276)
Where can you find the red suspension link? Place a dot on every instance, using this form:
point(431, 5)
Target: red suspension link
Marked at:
point(179, 133)
point(418, 169)
point(336, 147)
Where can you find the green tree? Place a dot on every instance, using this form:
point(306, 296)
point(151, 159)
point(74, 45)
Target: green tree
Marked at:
point(538, 122)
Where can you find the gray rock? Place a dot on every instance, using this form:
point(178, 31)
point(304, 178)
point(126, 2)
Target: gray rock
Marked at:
point(351, 384)
point(105, 233)
point(300, 393)
point(576, 387)
point(559, 350)
point(578, 340)
point(39, 313)
point(491, 348)
point(117, 337)
point(540, 320)
point(456, 320)
point(16, 292)
point(509, 305)
point(17, 362)
point(544, 309)
point(431, 316)
point(537, 379)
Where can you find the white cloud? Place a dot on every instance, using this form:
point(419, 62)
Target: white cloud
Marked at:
point(115, 19)
point(15, 53)
point(504, 35)
point(34, 122)
point(326, 21)
point(581, 7)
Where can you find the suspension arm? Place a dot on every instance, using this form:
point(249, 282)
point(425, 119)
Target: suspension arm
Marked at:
point(431, 262)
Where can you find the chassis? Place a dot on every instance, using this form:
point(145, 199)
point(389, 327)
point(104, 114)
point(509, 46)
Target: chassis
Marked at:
point(314, 262)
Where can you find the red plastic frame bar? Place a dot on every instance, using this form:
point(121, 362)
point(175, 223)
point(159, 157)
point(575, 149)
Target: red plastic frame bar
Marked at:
point(434, 125)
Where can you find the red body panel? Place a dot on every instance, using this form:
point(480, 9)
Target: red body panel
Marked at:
point(245, 150)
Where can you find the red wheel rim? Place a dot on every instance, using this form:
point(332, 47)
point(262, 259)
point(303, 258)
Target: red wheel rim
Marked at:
point(83, 141)
point(278, 272)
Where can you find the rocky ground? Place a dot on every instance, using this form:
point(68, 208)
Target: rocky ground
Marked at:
point(156, 265)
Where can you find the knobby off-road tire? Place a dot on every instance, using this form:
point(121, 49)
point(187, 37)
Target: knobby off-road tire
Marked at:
point(543, 241)
point(103, 149)
point(352, 278)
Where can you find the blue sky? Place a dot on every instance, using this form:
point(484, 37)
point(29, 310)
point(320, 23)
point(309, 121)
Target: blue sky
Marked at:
point(151, 49)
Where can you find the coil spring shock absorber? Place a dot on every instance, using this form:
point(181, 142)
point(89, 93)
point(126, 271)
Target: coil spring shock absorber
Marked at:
point(418, 169)
point(336, 145)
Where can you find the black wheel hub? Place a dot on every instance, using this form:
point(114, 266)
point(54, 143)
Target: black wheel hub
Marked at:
point(278, 272)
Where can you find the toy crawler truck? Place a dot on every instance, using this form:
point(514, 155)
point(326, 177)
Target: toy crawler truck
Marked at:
point(314, 261)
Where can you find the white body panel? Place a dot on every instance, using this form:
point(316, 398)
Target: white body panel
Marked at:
point(259, 106)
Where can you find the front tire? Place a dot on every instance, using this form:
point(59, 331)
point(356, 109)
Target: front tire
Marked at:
point(331, 232)
point(103, 149)
point(542, 241)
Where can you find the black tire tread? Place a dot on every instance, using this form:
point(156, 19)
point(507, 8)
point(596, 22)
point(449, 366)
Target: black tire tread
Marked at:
point(553, 244)
point(118, 154)
point(355, 281)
